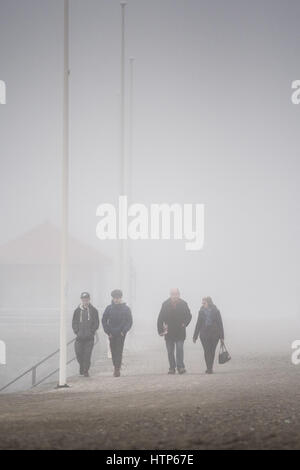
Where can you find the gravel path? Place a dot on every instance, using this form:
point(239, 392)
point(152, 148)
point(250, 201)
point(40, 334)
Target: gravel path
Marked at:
point(250, 403)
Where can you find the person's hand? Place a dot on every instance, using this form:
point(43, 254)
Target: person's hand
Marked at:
point(110, 336)
point(194, 340)
point(122, 334)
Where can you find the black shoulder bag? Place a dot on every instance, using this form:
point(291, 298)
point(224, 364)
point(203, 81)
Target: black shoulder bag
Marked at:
point(224, 355)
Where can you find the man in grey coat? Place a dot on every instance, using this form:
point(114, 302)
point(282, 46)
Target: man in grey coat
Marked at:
point(174, 317)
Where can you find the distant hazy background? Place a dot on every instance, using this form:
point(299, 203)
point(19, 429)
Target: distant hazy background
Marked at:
point(213, 124)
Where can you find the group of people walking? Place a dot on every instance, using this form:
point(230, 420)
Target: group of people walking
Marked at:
point(116, 322)
point(173, 319)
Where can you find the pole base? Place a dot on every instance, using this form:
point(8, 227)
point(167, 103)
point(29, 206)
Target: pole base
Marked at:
point(62, 386)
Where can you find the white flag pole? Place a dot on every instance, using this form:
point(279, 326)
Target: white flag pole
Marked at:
point(65, 190)
point(122, 260)
point(129, 178)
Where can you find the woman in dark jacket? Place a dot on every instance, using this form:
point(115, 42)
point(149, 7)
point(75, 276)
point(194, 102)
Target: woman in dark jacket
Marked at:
point(209, 327)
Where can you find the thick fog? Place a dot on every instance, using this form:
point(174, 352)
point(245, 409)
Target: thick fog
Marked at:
point(213, 124)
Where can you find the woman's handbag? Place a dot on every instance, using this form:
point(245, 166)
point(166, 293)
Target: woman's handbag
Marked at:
point(224, 355)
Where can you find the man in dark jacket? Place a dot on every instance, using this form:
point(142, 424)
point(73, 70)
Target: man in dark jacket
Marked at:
point(209, 327)
point(117, 321)
point(172, 321)
point(85, 324)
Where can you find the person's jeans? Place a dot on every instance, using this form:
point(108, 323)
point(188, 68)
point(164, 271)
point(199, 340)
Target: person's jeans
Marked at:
point(83, 350)
point(116, 347)
point(209, 344)
point(171, 346)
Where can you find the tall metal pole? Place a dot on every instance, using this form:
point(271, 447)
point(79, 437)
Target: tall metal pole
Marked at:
point(64, 220)
point(122, 149)
point(129, 175)
point(122, 259)
point(130, 146)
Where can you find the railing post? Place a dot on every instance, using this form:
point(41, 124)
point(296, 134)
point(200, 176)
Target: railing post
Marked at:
point(33, 369)
point(33, 382)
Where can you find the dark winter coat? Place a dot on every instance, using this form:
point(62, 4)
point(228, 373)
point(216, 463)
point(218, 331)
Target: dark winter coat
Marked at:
point(176, 316)
point(85, 322)
point(117, 319)
point(213, 328)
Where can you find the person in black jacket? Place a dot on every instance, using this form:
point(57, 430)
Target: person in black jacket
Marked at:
point(116, 322)
point(172, 321)
point(85, 324)
point(209, 327)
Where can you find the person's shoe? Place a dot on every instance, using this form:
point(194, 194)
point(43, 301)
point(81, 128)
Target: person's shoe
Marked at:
point(209, 371)
point(117, 373)
point(86, 374)
point(172, 371)
point(81, 372)
point(181, 371)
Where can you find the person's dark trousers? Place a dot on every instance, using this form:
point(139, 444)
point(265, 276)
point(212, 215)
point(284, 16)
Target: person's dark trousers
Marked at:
point(209, 344)
point(171, 346)
point(116, 347)
point(83, 351)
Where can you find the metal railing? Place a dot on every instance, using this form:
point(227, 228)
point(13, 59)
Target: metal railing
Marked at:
point(33, 369)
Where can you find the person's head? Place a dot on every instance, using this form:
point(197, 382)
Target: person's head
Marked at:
point(117, 295)
point(85, 298)
point(207, 302)
point(174, 294)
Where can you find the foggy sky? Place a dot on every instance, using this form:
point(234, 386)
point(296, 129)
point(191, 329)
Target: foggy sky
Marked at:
point(213, 124)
